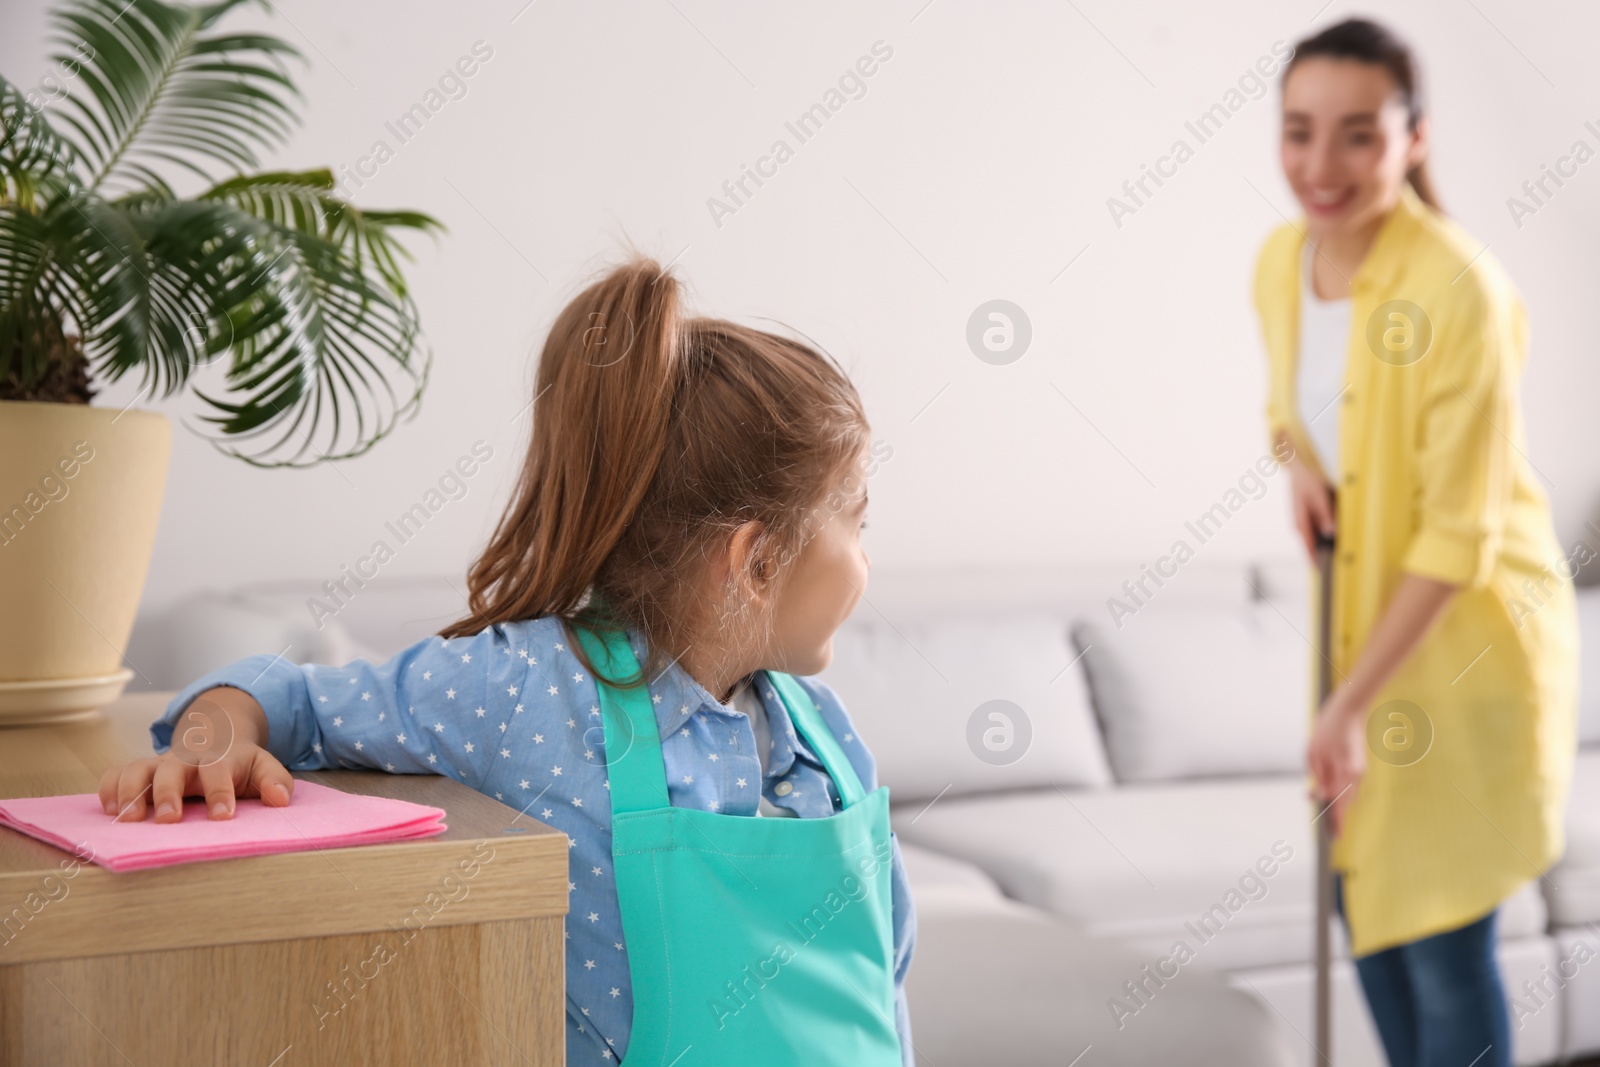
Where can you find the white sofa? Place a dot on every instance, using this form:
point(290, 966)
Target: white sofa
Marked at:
point(1199, 703)
point(1135, 778)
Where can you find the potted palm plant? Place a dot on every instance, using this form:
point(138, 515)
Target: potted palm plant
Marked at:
point(277, 303)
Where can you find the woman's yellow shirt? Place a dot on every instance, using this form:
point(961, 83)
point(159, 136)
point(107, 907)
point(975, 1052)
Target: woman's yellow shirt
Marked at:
point(1471, 743)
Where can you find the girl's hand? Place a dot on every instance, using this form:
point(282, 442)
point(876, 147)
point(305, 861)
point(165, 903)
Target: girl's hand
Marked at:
point(1313, 505)
point(216, 753)
point(1337, 754)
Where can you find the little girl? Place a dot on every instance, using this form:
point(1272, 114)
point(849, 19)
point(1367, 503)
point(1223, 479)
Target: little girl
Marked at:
point(682, 543)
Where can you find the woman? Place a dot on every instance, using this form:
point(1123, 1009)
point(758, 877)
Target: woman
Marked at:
point(1446, 747)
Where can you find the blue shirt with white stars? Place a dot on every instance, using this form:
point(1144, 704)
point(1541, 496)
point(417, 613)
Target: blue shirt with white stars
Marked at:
point(512, 713)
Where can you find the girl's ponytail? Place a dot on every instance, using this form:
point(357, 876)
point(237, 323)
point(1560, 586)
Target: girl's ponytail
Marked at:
point(600, 413)
point(656, 434)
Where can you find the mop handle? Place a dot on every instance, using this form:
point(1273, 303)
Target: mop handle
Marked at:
point(1324, 1042)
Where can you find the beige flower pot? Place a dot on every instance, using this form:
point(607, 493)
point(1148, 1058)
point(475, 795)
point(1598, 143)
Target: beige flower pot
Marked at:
point(80, 496)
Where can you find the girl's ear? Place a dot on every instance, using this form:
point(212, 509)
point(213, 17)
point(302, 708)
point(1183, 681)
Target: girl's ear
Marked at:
point(749, 565)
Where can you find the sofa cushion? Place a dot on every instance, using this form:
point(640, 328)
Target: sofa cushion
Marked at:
point(1572, 886)
point(1146, 863)
point(917, 691)
point(1190, 691)
point(1011, 985)
point(1589, 664)
point(940, 882)
point(1579, 984)
point(205, 631)
point(1536, 1039)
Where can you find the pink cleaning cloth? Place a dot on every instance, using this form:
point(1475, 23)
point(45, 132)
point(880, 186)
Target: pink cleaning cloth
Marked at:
point(317, 817)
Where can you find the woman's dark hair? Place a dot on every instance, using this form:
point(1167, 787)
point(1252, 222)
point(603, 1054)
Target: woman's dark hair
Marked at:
point(1367, 42)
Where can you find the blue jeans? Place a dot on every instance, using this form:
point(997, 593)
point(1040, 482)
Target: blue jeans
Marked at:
point(1438, 1001)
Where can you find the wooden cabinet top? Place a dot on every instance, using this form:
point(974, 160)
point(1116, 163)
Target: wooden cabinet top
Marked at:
point(492, 863)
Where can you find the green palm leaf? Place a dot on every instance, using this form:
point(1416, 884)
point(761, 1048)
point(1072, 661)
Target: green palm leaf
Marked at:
point(297, 293)
point(304, 200)
point(164, 88)
point(30, 149)
point(35, 242)
point(346, 328)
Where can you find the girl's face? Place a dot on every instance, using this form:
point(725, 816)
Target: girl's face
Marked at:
point(1346, 147)
point(827, 577)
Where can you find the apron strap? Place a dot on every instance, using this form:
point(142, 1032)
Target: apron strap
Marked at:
point(637, 776)
point(808, 720)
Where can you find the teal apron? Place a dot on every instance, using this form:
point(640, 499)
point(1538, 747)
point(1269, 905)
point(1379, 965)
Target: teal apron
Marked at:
point(750, 940)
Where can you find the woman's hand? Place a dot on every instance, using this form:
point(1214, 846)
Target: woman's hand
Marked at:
point(216, 753)
point(1313, 505)
point(1337, 754)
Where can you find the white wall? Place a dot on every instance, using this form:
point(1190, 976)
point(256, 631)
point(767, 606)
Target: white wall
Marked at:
point(977, 166)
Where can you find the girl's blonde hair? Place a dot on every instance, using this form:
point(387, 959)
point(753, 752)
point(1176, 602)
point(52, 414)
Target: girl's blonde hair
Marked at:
point(654, 435)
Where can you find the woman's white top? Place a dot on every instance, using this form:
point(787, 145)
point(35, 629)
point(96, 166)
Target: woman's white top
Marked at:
point(1319, 376)
point(747, 700)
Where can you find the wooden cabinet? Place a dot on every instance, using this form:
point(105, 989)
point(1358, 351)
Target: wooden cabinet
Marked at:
point(445, 950)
